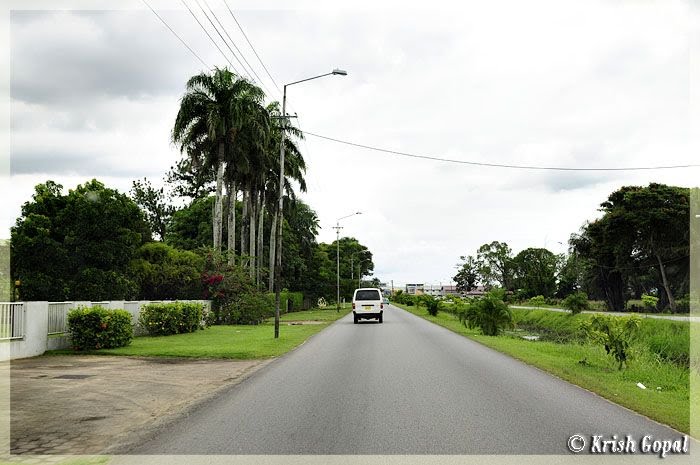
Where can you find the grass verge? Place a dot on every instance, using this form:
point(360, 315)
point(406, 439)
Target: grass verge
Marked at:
point(588, 366)
point(234, 342)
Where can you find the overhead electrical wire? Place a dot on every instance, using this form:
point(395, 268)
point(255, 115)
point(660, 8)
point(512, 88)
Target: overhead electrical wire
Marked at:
point(496, 165)
point(252, 48)
point(390, 151)
point(222, 38)
point(240, 53)
point(209, 35)
point(175, 34)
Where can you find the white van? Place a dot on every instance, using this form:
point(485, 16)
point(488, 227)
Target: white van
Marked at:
point(368, 303)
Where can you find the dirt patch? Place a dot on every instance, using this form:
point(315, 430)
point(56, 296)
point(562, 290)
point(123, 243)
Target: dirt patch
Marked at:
point(76, 405)
point(305, 322)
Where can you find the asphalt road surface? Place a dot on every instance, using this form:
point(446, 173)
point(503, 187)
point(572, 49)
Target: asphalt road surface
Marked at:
point(405, 386)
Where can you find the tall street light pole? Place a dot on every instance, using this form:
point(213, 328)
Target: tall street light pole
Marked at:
point(337, 228)
point(278, 247)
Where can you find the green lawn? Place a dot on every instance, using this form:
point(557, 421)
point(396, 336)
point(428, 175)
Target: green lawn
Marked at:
point(236, 342)
point(588, 366)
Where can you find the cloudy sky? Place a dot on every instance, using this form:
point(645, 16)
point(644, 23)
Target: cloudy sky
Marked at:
point(94, 93)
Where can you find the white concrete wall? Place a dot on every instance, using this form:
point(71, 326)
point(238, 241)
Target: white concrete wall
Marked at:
point(36, 320)
point(36, 324)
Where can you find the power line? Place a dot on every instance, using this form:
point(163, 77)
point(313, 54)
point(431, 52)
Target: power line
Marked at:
point(235, 46)
point(176, 35)
point(222, 37)
point(495, 165)
point(251, 46)
point(209, 35)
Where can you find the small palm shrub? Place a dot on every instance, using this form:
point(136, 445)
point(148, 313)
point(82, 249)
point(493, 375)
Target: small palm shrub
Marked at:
point(490, 314)
point(431, 304)
point(614, 333)
point(537, 301)
point(576, 302)
point(99, 328)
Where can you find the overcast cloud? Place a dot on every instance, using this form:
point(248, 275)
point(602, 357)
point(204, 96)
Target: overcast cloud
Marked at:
point(95, 93)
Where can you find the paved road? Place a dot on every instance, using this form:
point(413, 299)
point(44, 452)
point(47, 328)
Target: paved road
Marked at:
point(403, 387)
point(641, 315)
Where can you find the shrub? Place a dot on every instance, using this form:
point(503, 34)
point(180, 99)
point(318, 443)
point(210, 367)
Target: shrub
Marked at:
point(537, 301)
point(614, 333)
point(649, 301)
point(432, 305)
point(489, 313)
point(576, 302)
point(235, 298)
point(99, 328)
point(250, 308)
point(164, 272)
point(171, 318)
point(296, 300)
point(683, 304)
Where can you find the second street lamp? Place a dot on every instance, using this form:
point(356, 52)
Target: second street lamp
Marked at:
point(337, 228)
point(278, 247)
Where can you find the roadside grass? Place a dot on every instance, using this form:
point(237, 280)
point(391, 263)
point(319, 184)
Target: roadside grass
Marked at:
point(588, 366)
point(230, 342)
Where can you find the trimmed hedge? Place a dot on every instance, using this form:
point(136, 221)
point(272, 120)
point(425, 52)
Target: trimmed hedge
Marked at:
point(99, 328)
point(296, 298)
point(171, 318)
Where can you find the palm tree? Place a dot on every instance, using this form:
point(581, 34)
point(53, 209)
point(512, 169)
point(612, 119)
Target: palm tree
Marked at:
point(215, 110)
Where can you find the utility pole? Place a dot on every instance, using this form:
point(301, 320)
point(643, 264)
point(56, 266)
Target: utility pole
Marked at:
point(337, 228)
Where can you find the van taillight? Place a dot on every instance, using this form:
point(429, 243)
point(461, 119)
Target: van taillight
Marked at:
point(381, 306)
point(353, 305)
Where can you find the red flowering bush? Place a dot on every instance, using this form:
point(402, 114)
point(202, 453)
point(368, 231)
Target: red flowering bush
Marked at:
point(235, 299)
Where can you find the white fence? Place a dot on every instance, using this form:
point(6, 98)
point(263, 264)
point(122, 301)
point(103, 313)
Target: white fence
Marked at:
point(28, 329)
point(11, 321)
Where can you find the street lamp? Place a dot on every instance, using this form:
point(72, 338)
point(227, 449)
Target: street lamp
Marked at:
point(337, 228)
point(278, 258)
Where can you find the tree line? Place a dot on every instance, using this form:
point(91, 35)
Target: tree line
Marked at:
point(638, 247)
point(96, 243)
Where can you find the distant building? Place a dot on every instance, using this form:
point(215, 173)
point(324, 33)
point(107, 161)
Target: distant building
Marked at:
point(450, 290)
point(478, 291)
point(433, 289)
point(415, 289)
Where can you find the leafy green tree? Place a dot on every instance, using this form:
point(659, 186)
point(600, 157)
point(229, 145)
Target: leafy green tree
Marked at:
point(77, 246)
point(154, 204)
point(639, 244)
point(496, 265)
point(189, 177)
point(535, 271)
point(468, 274)
point(165, 273)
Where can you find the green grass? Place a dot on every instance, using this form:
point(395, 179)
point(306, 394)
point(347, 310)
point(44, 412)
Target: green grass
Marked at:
point(234, 342)
point(588, 366)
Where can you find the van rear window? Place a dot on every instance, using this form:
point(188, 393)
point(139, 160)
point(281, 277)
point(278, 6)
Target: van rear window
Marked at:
point(368, 295)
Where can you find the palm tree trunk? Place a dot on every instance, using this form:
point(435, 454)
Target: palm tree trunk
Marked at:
point(261, 219)
point(251, 233)
point(273, 243)
point(244, 230)
point(218, 204)
point(231, 239)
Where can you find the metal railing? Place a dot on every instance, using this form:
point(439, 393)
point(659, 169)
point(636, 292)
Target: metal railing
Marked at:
point(58, 317)
point(12, 320)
